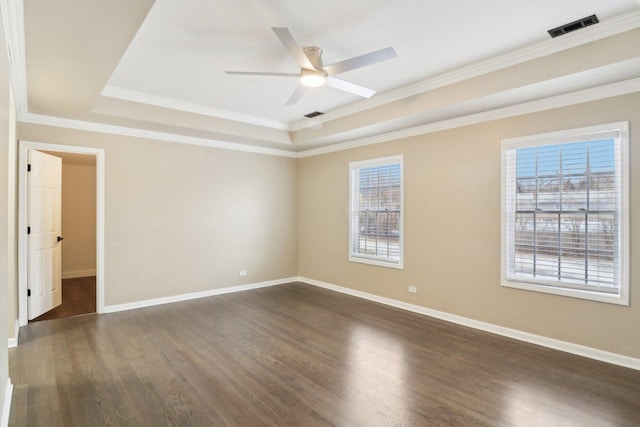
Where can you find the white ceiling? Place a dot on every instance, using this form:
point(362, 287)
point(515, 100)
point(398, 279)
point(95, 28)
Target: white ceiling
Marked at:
point(183, 48)
point(155, 68)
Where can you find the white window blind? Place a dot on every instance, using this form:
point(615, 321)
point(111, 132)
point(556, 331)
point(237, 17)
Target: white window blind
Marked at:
point(376, 211)
point(565, 212)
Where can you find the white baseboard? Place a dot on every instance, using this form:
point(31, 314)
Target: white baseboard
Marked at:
point(194, 295)
point(13, 342)
point(580, 350)
point(78, 273)
point(6, 407)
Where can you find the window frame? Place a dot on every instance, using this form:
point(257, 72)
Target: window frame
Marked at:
point(377, 261)
point(619, 131)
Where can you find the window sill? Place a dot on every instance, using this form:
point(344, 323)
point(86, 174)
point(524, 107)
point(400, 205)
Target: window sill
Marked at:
point(619, 299)
point(398, 266)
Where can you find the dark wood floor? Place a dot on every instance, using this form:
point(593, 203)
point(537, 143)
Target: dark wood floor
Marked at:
point(78, 297)
point(301, 356)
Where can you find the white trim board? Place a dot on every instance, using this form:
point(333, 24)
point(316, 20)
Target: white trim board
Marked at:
point(99, 153)
point(6, 406)
point(579, 350)
point(78, 273)
point(195, 295)
point(13, 342)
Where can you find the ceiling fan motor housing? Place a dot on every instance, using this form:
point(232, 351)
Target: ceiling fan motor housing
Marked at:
point(317, 76)
point(315, 56)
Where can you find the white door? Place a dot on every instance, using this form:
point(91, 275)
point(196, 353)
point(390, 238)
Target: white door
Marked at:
point(44, 249)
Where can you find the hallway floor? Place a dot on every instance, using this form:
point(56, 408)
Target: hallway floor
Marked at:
point(78, 297)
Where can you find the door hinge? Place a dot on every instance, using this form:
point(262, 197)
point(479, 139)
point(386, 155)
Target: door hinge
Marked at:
point(28, 230)
point(28, 292)
point(28, 167)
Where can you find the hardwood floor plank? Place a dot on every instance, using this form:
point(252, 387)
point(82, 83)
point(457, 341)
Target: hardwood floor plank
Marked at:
point(78, 297)
point(298, 355)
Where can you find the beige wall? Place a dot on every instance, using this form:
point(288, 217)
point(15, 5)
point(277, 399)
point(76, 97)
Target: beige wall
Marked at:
point(452, 229)
point(78, 220)
point(183, 218)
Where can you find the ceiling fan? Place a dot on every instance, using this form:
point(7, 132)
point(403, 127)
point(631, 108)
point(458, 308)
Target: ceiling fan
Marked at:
point(313, 73)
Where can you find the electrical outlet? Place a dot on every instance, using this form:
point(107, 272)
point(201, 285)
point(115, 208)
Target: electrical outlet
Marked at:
point(243, 273)
point(413, 289)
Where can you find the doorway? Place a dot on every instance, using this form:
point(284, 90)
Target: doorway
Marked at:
point(76, 277)
point(78, 247)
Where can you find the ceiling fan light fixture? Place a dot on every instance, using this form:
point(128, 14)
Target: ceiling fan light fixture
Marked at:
point(312, 78)
point(314, 74)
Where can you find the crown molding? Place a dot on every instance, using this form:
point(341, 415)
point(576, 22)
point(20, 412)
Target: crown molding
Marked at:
point(615, 25)
point(60, 122)
point(558, 101)
point(175, 104)
point(13, 22)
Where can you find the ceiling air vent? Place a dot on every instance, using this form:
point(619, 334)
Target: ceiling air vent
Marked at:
point(314, 114)
point(572, 26)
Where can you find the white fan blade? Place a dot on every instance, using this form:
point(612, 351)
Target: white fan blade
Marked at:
point(254, 73)
point(346, 86)
point(361, 61)
point(292, 47)
point(296, 95)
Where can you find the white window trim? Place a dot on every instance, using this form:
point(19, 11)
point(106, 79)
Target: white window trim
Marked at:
point(621, 131)
point(371, 260)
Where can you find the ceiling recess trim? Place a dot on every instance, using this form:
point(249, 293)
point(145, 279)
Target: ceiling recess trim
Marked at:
point(12, 16)
point(612, 26)
point(60, 122)
point(175, 104)
point(558, 101)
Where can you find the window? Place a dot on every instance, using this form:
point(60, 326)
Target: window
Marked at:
point(375, 225)
point(565, 213)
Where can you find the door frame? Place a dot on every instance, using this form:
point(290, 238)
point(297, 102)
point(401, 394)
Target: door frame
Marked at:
point(99, 153)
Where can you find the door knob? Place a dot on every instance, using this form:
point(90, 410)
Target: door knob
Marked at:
point(60, 238)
